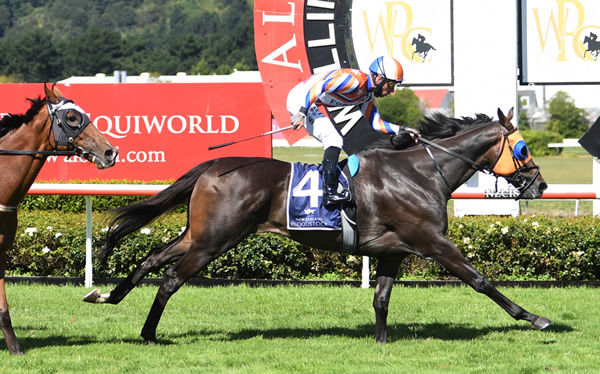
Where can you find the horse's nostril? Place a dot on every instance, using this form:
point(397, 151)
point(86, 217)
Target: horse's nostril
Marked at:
point(110, 154)
point(543, 187)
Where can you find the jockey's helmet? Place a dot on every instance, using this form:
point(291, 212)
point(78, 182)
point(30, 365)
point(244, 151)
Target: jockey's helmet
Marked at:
point(388, 67)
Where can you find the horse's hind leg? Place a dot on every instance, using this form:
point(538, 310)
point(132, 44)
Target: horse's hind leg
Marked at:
point(447, 255)
point(386, 273)
point(155, 260)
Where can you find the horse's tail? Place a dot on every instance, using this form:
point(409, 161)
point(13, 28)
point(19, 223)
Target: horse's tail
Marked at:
point(132, 217)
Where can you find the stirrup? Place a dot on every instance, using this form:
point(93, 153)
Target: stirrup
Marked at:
point(336, 198)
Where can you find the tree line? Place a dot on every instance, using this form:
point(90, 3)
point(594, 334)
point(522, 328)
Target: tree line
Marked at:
point(44, 41)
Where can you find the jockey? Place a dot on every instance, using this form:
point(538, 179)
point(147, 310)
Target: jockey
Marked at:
point(343, 87)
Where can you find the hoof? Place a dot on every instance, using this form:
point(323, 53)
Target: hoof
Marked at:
point(92, 296)
point(95, 296)
point(541, 323)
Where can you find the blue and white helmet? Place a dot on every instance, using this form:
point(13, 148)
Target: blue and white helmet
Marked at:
point(388, 67)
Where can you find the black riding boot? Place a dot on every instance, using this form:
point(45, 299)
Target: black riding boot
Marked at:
point(330, 179)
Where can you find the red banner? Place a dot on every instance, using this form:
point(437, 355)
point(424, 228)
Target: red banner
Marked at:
point(161, 129)
point(281, 54)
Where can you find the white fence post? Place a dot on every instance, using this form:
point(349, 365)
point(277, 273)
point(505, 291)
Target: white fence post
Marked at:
point(596, 185)
point(365, 272)
point(88, 241)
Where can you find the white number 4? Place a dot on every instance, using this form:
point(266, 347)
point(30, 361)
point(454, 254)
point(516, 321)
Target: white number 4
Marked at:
point(309, 186)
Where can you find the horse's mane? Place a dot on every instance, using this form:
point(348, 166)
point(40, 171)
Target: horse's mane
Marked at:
point(11, 122)
point(436, 126)
point(440, 126)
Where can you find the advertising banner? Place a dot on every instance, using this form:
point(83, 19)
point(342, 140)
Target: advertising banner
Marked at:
point(559, 40)
point(295, 39)
point(160, 129)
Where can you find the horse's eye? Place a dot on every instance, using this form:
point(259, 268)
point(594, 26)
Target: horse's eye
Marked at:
point(73, 118)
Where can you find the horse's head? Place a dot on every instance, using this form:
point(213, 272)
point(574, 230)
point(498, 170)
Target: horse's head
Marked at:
point(514, 162)
point(73, 130)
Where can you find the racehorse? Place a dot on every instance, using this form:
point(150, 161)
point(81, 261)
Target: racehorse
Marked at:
point(52, 126)
point(421, 48)
point(401, 198)
point(593, 45)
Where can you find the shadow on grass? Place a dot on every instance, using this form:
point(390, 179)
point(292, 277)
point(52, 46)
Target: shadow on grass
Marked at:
point(396, 332)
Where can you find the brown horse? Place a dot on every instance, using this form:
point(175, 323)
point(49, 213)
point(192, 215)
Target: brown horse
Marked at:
point(51, 126)
point(401, 198)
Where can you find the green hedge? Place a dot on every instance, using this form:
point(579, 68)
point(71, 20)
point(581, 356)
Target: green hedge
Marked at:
point(52, 243)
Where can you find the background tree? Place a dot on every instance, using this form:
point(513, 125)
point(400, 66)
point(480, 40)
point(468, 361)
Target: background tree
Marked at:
point(565, 118)
point(44, 40)
point(402, 107)
point(523, 122)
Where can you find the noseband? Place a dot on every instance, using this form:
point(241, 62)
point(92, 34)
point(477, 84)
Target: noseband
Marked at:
point(511, 144)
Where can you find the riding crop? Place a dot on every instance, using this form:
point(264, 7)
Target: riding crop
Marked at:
point(250, 138)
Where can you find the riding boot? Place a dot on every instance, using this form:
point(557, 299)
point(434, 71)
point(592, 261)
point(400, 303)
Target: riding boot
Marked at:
point(330, 179)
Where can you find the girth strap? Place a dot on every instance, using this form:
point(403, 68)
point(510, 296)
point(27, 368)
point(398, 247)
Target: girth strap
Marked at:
point(7, 208)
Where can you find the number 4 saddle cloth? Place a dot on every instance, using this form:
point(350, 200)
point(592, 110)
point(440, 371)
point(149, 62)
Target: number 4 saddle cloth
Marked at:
point(305, 208)
point(305, 200)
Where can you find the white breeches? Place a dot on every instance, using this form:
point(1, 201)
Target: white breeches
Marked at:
point(317, 124)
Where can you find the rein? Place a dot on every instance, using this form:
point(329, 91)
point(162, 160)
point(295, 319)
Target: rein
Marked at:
point(18, 152)
point(473, 164)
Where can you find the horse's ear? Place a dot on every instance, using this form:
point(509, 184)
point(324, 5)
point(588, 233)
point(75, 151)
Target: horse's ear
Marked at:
point(501, 117)
point(511, 112)
point(505, 120)
point(53, 95)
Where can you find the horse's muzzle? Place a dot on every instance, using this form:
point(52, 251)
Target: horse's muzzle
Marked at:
point(110, 156)
point(105, 161)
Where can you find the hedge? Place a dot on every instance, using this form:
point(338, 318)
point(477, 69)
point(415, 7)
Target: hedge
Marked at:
point(52, 243)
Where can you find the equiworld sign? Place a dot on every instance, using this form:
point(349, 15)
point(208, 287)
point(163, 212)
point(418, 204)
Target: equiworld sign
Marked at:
point(161, 129)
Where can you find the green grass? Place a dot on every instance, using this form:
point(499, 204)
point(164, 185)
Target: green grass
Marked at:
point(566, 170)
point(315, 329)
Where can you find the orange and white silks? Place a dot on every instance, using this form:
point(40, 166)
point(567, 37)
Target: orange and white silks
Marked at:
point(513, 156)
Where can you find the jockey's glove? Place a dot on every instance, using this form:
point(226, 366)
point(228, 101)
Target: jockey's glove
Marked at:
point(298, 118)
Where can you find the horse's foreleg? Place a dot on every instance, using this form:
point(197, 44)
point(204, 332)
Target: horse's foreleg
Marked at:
point(5, 323)
point(7, 236)
point(185, 268)
point(451, 258)
point(386, 273)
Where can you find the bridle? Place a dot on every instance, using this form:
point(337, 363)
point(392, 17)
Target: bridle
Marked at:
point(511, 144)
point(65, 128)
point(67, 122)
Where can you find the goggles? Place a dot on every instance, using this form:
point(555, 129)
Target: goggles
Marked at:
point(390, 83)
point(513, 156)
point(68, 121)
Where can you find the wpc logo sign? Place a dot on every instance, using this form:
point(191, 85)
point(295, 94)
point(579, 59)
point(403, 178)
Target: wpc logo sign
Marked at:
point(560, 41)
point(295, 39)
point(563, 29)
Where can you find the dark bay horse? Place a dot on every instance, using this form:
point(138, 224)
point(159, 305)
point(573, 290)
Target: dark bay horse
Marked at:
point(52, 126)
point(401, 210)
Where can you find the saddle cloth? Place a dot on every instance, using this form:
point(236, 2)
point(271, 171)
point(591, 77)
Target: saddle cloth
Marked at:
point(305, 210)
